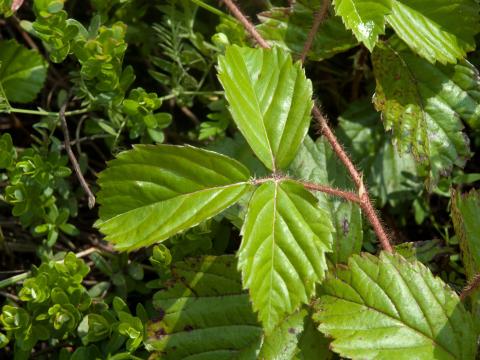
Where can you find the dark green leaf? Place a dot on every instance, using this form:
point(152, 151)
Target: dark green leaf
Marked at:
point(288, 28)
point(392, 177)
point(204, 314)
point(465, 215)
point(423, 105)
point(22, 72)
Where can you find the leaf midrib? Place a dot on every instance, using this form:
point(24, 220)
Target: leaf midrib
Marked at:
point(272, 269)
point(259, 109)
point(182, 195)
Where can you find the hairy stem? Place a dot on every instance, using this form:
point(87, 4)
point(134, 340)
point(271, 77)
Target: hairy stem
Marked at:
point(472, 285)
point(332, 191)
point(235, 10)
point(317, 20)
point(347, 195)
point(365, 201)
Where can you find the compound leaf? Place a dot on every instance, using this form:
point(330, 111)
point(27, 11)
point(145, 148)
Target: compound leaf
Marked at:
point(270, 101)
point(389, 308)
point(152, 192)
point(423, 105)
point(204, 313)
point(432, 30)
point(22, 72)
point(366, 18)
point(282, 256)
point(288, 28)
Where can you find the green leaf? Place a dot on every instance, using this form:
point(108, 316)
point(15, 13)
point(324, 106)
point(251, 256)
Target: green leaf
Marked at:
point(465, 210)
point(204, 314)
point(389, 308)
point(22, 72)
point(432, 28)
point(282, 256)
point(282, 342)
point(288, 28)
point(4, 105)
point(316, 162)
point(423, 105)
point(366, 18)
point(295, 337)
point(391, 176)
point(153, 192)
point(270, 101)
point(312, 343)
point(8, 153)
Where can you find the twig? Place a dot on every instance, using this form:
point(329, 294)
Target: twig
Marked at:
point(317, 20)
point(471, 287)
point(24, 34)
point(365, 202)
point(73, 159)
point(9, 296)
point(246, 23)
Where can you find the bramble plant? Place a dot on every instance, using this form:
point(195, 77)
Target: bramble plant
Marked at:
point(225, 228)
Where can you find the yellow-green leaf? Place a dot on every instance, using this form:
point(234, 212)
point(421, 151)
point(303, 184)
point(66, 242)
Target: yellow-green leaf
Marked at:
point(282, 256)
point(270, 100)
point(153, 192)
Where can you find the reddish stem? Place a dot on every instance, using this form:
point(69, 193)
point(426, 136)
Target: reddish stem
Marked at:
point(332, 191)
point(252, 30)
point(317, 20)
point(472, 285)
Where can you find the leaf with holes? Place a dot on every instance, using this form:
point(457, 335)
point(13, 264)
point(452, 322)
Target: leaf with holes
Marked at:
point(288, 28)
point(389, 308)
point(432, 29)
point(366, 18)
point(424, 104)
point(204, 313)
point(270, 101)
point(282, 256)
point(153, 192)
point(22, 72)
